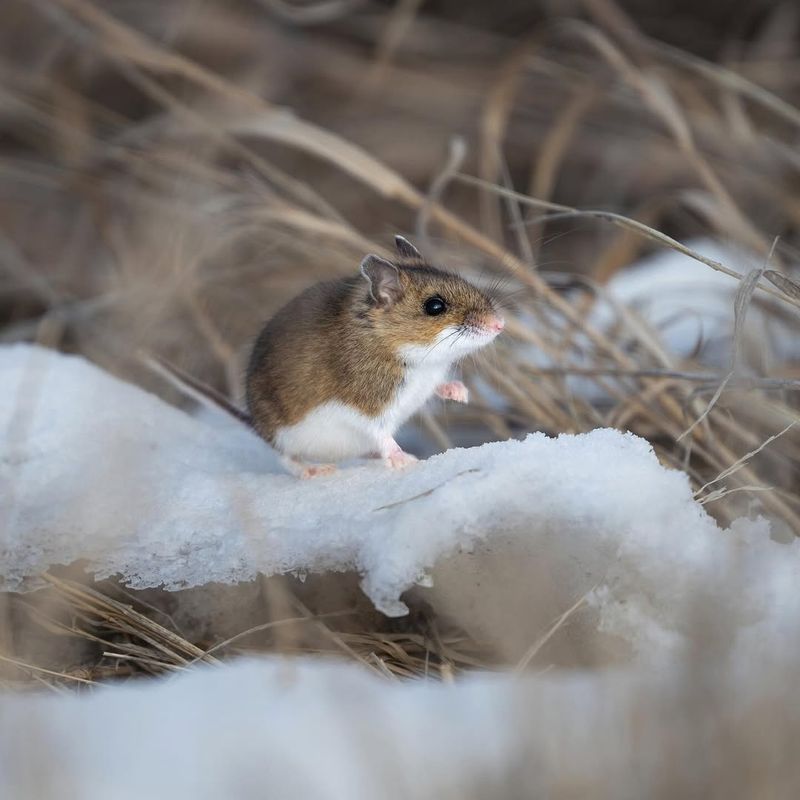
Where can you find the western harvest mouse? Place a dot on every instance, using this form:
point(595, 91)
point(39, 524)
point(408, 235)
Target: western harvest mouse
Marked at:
point(338, 369)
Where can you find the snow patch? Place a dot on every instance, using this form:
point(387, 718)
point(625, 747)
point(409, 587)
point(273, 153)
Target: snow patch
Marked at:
point(299, 729)
point(691, 305)
point(94, 468)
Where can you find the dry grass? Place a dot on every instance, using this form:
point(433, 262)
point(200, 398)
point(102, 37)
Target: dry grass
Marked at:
point(106, 632)
point(172, 172)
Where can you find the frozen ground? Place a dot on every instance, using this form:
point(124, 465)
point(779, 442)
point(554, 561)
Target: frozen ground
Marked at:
point(95, 468)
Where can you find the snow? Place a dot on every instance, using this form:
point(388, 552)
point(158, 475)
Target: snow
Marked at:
point(299, 729)
point(265, 729)
point(701, 621)
point(682, 308)
point(94, 468)
point(691, 305)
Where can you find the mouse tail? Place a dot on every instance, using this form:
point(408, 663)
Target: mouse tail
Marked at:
point(197, 390)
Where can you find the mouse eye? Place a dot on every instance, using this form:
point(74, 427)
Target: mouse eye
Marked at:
point(435, 306)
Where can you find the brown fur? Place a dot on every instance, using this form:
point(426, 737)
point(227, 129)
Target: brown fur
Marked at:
point(335, 342)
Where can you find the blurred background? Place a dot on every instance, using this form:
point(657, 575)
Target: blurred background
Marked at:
point(172, 171)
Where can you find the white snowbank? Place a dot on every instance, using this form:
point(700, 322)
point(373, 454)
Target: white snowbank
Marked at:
point(692, 305)
point(298, 730)
point(512, 534)
point(261, 729)
point(682, 307)
point(94, 468)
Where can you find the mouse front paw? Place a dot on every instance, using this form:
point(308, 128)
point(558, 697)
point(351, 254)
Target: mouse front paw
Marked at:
point(454, 390)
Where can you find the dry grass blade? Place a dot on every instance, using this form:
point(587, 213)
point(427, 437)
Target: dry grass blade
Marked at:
point(426, 493)
point(113, 612)
point(786, 285)
point(741, 303)
point(457, 152)
point(740, 463)
point(738, 382)
point(32, 668)
point(536, 647)
point(727, 78)
point(267, 626)
point(708, 408)
point(396, 29)
point(719, 494)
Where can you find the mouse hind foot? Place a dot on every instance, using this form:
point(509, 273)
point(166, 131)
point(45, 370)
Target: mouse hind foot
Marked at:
point(400, 460)
point(393, 455)
point(301, 469)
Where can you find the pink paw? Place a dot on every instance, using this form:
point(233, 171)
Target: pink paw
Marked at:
point(316, 470)
point(455, 390)
point(399, 459)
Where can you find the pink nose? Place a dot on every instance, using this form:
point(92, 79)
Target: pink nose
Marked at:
point(495, 324)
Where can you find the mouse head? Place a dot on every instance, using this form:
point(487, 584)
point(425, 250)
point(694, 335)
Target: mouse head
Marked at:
point(424, 312)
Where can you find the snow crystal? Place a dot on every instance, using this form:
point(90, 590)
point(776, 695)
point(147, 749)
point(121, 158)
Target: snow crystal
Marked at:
point(94, 468)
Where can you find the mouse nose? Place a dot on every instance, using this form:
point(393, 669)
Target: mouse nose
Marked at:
point(495, 324)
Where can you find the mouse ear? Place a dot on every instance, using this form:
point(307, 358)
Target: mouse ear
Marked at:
point(406, 249)
point(384, 280)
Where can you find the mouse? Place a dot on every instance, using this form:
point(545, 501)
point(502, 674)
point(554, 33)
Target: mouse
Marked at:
point(336, 371)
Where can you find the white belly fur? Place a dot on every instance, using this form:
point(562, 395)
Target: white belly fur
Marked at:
point(334, 431)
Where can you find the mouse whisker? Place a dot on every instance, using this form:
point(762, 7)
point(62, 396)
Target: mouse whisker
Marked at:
point(436, 344)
